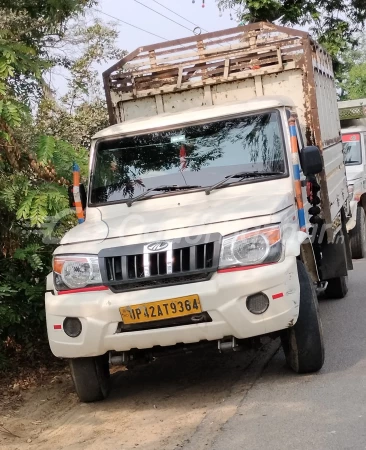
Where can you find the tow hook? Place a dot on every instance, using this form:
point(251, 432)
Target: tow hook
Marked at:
point(228, 345)
point(120, 359)
point(321, 287)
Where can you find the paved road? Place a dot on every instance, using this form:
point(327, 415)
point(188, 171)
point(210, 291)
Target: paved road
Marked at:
point(322, 411)
point(208, 401)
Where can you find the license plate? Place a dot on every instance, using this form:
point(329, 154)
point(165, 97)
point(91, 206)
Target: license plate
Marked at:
point(163, 309)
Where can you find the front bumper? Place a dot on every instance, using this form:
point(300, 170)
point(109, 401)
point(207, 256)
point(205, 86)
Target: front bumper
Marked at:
point(223, 297)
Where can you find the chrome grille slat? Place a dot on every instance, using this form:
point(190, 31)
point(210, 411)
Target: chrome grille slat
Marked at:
point(192, 258)
point(128, 265)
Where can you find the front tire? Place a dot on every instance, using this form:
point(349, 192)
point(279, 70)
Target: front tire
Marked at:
point(358, 235)
point(91, 378)
point(303, 343)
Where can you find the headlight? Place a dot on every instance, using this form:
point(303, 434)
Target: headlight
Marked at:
point(76, 271)
point(251, 247)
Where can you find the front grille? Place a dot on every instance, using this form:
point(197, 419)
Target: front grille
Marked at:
point(136, 267)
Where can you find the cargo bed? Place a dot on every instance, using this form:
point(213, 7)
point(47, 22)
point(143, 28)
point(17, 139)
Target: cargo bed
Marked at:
point(238, 64)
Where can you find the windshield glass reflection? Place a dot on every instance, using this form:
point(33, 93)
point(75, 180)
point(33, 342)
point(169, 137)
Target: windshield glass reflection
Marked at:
point(197, 155)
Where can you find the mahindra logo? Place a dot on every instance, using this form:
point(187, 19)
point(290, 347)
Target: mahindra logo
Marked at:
point(157, 246)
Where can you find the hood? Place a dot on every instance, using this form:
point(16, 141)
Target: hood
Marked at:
point(180, 211)
point(354, 173)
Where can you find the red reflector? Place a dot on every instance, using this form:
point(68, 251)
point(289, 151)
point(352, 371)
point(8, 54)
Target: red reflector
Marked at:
point(279, 295)
point(87, 289)
point(57, 327)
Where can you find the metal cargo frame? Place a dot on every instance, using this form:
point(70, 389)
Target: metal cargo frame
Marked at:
point(215, 58)
point(185, 73)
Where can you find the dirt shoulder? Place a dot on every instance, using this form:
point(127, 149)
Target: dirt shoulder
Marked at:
point(176, 402)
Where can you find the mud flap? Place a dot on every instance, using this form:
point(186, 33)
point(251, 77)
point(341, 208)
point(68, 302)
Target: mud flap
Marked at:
point(336, 256)
point(347, 243)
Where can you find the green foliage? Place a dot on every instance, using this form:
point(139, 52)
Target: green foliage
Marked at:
point(56, 11)
point(34, 167)
point(333, 22)
point(81, 112)
point(42, 202)
point(351, 70)
point(15, 58)
point(26, 205)
point(46, 149)
point(21, 291)
point(14, 189)
point(62, 155)
point(356, 82)
point(37, 150)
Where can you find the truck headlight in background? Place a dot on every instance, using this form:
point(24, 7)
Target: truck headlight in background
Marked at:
point(251, 247)
point(76, 271)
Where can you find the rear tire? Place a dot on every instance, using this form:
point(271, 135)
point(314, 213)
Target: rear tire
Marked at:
point(358, 235)
point(303, 343)
point(337, 287)
point(91, 378)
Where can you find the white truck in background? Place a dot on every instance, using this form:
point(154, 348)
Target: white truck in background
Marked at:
point(352, 114)
point(217, 202)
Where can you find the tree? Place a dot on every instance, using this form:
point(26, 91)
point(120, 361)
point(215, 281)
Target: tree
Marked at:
point(333, 22)
point(37, 151)
point(81, 111)
point(352, 71)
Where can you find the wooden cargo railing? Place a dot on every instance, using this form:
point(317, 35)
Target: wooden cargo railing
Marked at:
point(208, 59)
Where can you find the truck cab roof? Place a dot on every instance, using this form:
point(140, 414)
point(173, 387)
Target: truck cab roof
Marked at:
point(194, 115)
point(354, 129)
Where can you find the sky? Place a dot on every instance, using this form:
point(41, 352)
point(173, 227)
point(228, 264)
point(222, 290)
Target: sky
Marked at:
point(133, 12)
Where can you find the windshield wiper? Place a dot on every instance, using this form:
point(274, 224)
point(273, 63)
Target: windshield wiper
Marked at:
point(164, 188)
point(242, 176)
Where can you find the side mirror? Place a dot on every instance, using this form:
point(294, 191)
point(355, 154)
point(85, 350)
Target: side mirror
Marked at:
point(311, 160)
point(82, 196)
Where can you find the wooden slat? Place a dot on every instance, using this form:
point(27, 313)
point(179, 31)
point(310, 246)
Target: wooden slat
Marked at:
point(183, 48)
point(227, 68)
point(217, 70)
point(185, 86)
point(196, 61)
point(180, 75)
point(207, 59)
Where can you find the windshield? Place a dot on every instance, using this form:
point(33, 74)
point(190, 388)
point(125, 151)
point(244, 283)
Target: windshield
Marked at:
point(352, 148)
point(197, 156)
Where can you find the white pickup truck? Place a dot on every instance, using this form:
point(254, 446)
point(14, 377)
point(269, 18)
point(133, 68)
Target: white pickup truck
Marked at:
point(352, 114)
point(217, 202)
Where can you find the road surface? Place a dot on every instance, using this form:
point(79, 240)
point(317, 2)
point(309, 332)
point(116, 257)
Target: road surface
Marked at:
point(240, 401)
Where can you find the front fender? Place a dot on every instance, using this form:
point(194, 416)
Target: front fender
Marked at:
point(299, 244)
